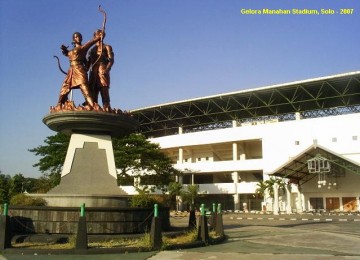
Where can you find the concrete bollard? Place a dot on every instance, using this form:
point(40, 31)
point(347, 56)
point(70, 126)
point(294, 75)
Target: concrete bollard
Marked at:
point(82, 210)
point(219, 227)
point(192, 218)
point(203, 231)
point(6, 209)
point(81, 236)
point(212, 219)
point(5, 229)
point(155, 232)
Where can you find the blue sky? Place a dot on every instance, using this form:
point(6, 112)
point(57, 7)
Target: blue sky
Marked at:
point(165, 50)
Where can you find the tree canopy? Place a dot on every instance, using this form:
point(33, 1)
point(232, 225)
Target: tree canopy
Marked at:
point(4, 188)
point(52, 157)
point(136, 156)
point(17, 184)
point(268, 185)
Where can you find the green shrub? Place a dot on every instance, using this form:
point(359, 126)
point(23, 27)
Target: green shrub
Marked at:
point(142, 200)
point(24, 200)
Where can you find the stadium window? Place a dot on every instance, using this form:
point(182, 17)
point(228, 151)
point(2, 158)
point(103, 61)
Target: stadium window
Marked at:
point(297, 142)
point(355, 138)
point(334, 139)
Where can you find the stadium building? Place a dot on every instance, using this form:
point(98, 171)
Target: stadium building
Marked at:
point(304, 133)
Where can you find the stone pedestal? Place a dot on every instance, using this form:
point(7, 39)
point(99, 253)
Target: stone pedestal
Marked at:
point(89, 173)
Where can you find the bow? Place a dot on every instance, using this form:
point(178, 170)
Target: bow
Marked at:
point(102, 35)
point(58, 62)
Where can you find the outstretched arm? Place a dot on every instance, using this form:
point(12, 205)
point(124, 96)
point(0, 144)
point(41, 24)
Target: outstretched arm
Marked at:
point(90, 43)
point(64, 50)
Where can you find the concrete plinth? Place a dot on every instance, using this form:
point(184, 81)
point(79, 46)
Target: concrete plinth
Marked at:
point(75, 200)
point(89, 172)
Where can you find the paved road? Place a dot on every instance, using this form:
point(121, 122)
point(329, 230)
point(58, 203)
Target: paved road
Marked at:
point(276, 237)
point(262, 236)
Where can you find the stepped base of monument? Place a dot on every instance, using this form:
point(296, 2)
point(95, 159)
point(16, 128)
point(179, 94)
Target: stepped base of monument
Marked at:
point(100, 220)
point(76, 200)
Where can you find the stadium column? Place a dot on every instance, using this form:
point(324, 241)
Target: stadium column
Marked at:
point(236, 178)
point(179, 203)
point(300, 200)
point(276, 199)
point(181, 160)
point(288, 199)
point(181, 155)
point(303, 202)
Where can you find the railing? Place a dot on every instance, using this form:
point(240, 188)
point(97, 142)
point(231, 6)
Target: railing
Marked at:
point(211, 188)
point(222, 166)
point(227, 188)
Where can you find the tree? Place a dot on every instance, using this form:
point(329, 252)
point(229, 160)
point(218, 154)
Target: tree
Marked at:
point(135, 156)
point(4, 188)
point(174, 191)
point(190, 194)
point(11, 187)
point(268, 185)
point(53, 156)
point(42, 184)
point(261, 188)
point(16, 184)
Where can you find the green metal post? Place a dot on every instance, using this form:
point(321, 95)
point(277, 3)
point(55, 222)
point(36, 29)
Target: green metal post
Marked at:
point(6, 209)
point(82, 210)
point(156, 211)
point(214, 207)
point(202, 209)
point(219, 208)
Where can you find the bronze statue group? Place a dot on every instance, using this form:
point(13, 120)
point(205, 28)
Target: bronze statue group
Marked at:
point(89, 71)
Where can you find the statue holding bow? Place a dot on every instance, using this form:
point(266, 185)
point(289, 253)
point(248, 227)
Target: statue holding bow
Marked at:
point(101, 59)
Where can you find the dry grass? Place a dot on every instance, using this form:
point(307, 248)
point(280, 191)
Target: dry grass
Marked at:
point(188, 237)
point(141, 242)
point(38, 245)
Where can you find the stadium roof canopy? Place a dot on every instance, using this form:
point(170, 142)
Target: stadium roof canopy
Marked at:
point(332, 95)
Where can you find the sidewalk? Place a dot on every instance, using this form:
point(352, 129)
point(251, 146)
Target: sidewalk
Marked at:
point(296, 216)
point(262, 236)
point(181, 217)
point(260, 242)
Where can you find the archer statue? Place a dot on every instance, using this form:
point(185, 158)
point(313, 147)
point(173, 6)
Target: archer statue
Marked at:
point(77, 74)
point(99, 60)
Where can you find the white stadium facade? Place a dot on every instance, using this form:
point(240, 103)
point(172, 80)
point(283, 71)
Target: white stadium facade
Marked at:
point(306, 133)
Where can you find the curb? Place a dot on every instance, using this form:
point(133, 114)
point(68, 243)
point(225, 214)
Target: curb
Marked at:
point(296, 219)
point(119, 250)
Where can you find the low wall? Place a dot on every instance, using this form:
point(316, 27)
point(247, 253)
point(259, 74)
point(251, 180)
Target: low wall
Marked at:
point(64, 220)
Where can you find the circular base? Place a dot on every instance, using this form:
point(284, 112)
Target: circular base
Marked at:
point(76, 200)
point(69, 122)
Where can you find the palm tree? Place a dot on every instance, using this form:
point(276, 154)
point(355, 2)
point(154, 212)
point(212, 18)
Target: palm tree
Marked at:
point(269, 186)
point(190, 195)
point(261, 189)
